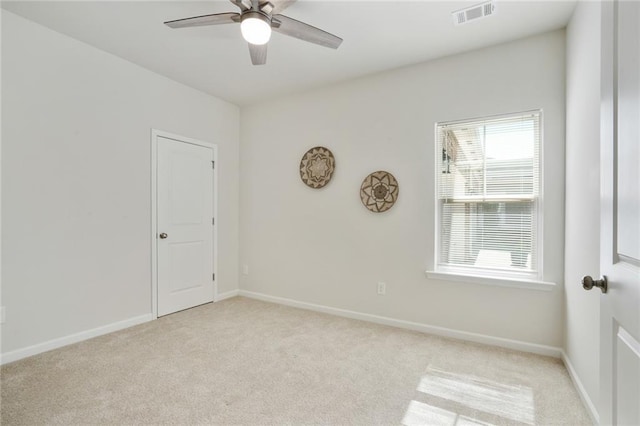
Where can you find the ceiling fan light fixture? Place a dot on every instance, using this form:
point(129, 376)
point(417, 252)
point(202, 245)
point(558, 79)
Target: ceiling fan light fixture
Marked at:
point(255, 28)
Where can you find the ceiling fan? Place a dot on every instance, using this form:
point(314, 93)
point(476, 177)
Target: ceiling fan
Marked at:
point(257, 18)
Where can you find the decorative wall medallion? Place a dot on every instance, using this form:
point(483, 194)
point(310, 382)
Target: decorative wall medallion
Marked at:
point(317, 166)
point(379, 191)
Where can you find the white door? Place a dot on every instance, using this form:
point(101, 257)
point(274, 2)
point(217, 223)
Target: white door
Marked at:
point(184, 225)
point(620, 214)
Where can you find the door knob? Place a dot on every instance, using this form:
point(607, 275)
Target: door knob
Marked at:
point(163, 235)
point(588, 283)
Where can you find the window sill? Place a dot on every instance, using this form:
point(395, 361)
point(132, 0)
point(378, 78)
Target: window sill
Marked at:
point(495, 281)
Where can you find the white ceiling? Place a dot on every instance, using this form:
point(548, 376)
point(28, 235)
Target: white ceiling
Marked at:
point(378, 35)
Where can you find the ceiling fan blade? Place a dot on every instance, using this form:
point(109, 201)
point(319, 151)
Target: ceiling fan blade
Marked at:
point(278, 5)
point(199, 21)
point(291, 27)
point(258, 53)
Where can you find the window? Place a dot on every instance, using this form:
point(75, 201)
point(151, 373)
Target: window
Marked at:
point(488, 196)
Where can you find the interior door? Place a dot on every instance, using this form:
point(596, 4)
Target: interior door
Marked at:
point(620, 214)
point(184, 225)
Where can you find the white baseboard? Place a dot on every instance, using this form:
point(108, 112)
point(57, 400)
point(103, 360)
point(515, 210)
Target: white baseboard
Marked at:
point(18, 354)
point(586, 400)
point(425, 328)
point(227, 295)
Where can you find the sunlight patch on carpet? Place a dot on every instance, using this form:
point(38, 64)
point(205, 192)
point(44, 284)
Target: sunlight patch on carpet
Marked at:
point(504, 400)
point(420, 414)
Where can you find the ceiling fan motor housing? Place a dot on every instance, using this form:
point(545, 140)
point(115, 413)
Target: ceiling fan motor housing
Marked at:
point(256, 14)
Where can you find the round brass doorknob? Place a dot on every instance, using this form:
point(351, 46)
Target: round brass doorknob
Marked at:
point(588, 283)
point(163, 235)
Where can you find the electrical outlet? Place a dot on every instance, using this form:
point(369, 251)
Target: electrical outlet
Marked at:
point(3, 314)
point(245, 269)
point(382, 288)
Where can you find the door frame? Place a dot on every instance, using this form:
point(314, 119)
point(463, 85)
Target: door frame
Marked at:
point(155, 134)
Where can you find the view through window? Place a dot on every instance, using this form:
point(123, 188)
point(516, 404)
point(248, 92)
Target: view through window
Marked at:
point(488, 194)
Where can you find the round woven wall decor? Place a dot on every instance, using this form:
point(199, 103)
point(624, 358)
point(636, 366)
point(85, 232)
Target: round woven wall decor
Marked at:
point(379, 191)
point(317, 167)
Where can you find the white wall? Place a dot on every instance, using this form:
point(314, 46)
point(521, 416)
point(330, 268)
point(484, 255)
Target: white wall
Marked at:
point(582, 235)
point(323, 247)
point(76, 125)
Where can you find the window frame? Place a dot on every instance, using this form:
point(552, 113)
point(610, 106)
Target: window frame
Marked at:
point(480, 275)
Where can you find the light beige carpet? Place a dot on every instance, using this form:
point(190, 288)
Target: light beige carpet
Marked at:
point(247, 362)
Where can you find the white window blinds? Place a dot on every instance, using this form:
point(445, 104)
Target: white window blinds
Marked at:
point(488, 193)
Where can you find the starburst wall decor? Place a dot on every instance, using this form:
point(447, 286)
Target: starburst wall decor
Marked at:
point(379, 191)
point(317, 167)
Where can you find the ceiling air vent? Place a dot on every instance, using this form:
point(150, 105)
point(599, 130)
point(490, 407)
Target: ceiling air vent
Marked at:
point(473, 13)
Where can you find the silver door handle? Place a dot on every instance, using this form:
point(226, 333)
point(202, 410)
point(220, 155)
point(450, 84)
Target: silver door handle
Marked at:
point(163, 236)
point(588, 283)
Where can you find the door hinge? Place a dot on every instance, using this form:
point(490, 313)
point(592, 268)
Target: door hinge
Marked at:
point(213, 164)
point(214, 277)
point(213, 220)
